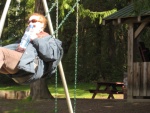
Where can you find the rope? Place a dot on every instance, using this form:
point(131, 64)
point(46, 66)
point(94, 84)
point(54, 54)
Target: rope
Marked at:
point(76, 55)
point(56, 75)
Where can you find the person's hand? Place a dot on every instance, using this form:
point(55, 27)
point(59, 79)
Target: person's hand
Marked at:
point(33, 35)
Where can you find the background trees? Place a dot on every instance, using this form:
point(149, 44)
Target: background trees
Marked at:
point(102, 50)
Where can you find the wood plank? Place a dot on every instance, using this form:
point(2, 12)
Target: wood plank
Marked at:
point(103, 22)
point(119, 20)
point(108, 92)
point(136, 79)
point(148, 79)
point(130, 62)
point(139, 29)
point(136, 20)
point(111, 83)
point(141, 80)
point(139, 18)
point(144, 78)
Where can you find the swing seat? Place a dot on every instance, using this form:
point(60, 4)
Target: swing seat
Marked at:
point(24, 77)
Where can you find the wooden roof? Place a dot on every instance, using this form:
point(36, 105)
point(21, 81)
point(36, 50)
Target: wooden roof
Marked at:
point(127, 15)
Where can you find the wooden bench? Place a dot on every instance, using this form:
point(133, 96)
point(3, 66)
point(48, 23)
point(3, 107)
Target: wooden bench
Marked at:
point(109, 88)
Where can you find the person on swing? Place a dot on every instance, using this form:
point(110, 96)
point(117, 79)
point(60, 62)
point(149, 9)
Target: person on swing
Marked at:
point(16, 61)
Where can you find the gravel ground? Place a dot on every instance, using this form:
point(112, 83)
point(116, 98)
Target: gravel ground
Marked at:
point(81, 106)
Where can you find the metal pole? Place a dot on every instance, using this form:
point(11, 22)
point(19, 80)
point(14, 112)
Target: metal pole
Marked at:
point(2, 21)
point(50, 25)
point(60, 64)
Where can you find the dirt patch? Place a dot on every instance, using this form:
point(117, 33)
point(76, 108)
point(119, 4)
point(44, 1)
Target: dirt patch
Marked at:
point(82, 106)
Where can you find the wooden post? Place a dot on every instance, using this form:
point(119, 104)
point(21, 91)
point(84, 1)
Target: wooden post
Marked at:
point(139, 29)
point(130, 62)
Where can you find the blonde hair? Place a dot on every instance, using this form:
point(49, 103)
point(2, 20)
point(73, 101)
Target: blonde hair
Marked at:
point(42, 18)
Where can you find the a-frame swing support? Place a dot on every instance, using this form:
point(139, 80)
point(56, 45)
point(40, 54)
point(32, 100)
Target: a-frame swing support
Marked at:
point(2, 21)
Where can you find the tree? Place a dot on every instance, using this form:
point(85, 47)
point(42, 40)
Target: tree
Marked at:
point(39, 89)
point(105, 46)
point(138, 7)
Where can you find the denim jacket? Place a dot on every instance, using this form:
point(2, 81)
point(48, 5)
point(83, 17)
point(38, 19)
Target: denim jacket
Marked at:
point(44, 50)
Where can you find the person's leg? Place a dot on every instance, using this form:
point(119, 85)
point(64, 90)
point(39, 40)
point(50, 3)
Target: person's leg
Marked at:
point(9, 60)
point(7, 70)
point(4, 71)
point(1, 58)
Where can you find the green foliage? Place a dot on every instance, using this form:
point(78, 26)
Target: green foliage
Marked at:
point(140, 8)
point(95, 15)
point(15, 23)
point(65, 5)
point(101, 49)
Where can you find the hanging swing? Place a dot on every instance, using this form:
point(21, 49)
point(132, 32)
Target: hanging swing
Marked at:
point(29, 69)
point(26, 77)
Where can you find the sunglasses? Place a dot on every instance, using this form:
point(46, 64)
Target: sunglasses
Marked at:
point(33, 21)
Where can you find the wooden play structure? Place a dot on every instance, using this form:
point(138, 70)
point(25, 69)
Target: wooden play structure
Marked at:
point(138, 72)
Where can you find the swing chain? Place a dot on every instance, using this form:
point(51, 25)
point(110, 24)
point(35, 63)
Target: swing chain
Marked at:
point(72, 9)
point(53, 5)
point(56, 75)
point(76, 55)
point(18, 7)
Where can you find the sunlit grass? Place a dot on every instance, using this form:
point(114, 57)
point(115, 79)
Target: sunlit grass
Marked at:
point(15, 88)
point(81, 91)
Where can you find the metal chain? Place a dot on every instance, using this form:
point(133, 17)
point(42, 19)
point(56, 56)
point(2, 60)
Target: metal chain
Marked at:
point(53, 5)
point(76, 55)
point(76, 49)
point(56, 75)
point(72, 9)
point(18, 7)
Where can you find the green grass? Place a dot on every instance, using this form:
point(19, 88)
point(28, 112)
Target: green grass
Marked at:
point(81, 90)
point(15, 88)
point(21, 106)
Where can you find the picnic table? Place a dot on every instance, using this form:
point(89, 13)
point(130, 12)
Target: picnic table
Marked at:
point(109, 88)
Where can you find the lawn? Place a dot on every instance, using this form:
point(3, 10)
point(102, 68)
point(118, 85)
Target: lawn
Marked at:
point(81, 90)
point(25, 106)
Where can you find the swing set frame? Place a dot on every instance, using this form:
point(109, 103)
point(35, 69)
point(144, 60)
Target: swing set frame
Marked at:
point(2, 21)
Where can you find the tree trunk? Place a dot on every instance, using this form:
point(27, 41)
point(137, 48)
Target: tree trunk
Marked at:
point(39, 6)
point(39, 89)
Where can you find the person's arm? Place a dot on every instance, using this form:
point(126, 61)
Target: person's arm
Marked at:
point(11, 46)
point(46, 47)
